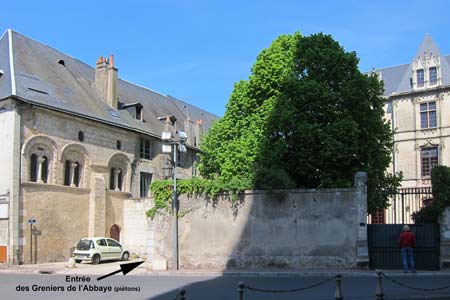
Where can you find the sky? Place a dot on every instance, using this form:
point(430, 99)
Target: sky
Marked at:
point(197, 50)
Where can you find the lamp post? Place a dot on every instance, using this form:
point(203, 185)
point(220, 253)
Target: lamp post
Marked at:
point(172, 142)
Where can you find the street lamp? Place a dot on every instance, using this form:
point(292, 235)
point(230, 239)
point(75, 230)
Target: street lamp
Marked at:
point(172, 142)
point(167, 169)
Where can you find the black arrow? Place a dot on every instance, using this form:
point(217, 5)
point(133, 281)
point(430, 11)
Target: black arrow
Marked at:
point(124, 268)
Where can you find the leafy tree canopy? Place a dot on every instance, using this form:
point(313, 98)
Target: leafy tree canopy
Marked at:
point(305, 118)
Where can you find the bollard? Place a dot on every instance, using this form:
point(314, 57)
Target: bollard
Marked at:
point(379, 291)
point(181, 295)
point(241, 287)
point(339, 295)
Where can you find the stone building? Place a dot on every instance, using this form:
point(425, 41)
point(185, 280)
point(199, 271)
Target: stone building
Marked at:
point(417, 104)
point(78, 145)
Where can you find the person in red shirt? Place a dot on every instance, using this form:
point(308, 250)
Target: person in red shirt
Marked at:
point(407, 242)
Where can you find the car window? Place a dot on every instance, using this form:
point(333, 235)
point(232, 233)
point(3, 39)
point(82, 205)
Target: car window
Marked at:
point(112, 243)
point(84, 245)
point(101, 242)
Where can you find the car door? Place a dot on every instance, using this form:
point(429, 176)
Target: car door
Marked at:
point(115, 249)
point(103, 248)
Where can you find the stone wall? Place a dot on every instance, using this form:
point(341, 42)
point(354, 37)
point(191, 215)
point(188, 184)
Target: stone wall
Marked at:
point(61, 213)
point(293, 229)
point(138, 234)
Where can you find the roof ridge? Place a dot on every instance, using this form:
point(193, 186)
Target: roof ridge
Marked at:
point(11, 63)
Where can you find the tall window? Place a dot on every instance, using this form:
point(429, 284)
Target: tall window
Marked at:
point(433, 75)
point(420, 77)
point(67, 172)
point(44, 169)
point(429, 157)
point(428, 115)
point(33, 168)
point(145, 149)
point(146, 180)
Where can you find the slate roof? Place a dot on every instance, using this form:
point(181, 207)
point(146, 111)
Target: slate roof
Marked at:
point(397, 79)
point(41, 80)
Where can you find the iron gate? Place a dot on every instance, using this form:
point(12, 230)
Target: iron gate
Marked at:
point(384, 252)
point(406, 202)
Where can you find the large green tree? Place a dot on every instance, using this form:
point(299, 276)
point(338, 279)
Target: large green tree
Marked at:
point(305, 118)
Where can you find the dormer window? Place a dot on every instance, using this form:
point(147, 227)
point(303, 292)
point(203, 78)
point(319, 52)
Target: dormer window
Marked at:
point(420, 77)
point(433, 75)
point(138, 112)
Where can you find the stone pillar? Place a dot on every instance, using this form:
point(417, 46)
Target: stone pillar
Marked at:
point(362, 249)
point(40, 161)
point(116, 179)
point(445, 239)
point(97, 206)
point(72, 173)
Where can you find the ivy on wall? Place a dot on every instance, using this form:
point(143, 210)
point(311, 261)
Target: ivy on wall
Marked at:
point(162, 191)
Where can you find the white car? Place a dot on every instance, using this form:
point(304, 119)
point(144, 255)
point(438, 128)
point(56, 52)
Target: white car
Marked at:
point(97, 249)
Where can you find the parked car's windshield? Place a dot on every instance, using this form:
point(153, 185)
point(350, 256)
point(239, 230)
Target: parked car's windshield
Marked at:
point(84, 245)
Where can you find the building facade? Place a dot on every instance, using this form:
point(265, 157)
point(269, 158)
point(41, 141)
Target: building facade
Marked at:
point(417, 105)
point(79, 146)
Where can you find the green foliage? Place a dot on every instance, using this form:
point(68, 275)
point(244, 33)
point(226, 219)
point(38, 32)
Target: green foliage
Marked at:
point(305, 118)
point(440, 180)
point(162, 191)
point(427, 214)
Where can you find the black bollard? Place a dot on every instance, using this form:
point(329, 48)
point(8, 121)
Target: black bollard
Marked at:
point(241, 287)
point(338, 294)
point(181, 295)
point(379, 291)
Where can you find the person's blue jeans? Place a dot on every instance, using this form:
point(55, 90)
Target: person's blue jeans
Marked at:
point(407, 255)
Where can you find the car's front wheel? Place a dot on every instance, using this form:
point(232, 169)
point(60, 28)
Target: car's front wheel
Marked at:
point(125, 256)
point(95, 259)
point(77, 261)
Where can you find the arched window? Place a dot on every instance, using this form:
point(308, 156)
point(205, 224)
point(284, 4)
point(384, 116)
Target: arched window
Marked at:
point(119, 170)
point(33, 168)
point(38, 159)
point(44, 170)
point(116, 179)
point(72, 173)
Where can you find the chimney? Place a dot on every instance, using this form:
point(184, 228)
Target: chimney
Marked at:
point(189, 129)
point(106, 80)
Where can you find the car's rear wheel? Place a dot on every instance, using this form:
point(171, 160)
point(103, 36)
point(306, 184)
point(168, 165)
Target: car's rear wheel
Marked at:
point(125, 256)
point(77, 261)
point(95, 259)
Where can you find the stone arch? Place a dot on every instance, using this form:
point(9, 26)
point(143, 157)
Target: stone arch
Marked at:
point(77, 154)
point(119, 172)
point(43, 147)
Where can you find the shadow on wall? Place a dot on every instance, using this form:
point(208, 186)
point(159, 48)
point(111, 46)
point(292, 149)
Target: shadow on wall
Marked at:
point(278, 231)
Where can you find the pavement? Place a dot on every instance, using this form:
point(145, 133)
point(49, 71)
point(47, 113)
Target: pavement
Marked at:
point(144, 269)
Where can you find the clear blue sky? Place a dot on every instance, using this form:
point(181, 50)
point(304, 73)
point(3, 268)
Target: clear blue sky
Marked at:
point(197, 50)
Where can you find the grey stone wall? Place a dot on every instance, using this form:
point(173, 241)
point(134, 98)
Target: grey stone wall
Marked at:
point(292, 229)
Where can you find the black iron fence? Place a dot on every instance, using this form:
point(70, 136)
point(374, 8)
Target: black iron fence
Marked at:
point(406, 202)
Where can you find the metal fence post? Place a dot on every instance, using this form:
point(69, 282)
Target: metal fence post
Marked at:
point(379, 291)
point(181, 295)
point(338, 294)
point(240, 290)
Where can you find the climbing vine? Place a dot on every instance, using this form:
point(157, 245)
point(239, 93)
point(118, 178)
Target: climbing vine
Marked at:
point(162, 190)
